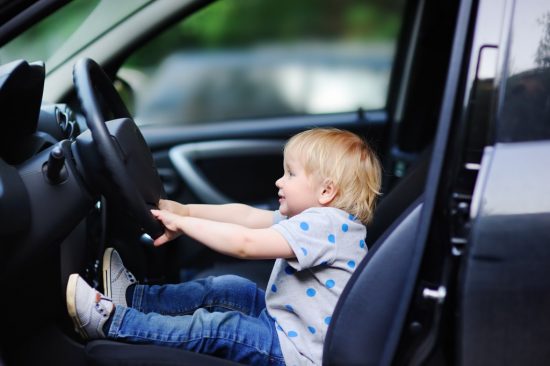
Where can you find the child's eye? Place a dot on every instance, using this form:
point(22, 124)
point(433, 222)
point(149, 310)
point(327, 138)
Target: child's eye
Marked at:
point(290, 174)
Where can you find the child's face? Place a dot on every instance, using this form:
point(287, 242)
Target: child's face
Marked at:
point(297, 190)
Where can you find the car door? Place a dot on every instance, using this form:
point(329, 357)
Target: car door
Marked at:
point(476, 291)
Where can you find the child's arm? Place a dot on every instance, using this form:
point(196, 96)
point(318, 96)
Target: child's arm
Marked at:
point(235, 213)
point(227, 238)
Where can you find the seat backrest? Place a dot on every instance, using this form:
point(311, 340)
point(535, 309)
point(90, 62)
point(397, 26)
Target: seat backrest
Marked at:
point(363, 317)
point(405, 192)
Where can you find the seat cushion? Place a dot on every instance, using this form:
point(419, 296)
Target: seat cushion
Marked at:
point(102, 352)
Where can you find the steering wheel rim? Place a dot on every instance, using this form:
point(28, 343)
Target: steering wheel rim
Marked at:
point(95, 90)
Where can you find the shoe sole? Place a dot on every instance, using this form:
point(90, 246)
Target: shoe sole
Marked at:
point(106, 266)
point(71, 305)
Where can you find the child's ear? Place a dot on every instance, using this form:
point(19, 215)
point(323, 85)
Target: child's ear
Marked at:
point(328, 192)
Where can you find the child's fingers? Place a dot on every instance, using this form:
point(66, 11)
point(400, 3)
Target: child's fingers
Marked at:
point(160, 240)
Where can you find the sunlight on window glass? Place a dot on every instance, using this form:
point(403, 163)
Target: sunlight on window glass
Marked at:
point(241, 59)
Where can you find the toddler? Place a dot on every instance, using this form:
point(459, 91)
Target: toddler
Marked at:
point(317, 236)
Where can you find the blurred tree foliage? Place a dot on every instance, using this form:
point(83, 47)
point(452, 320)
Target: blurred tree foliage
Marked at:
point(542, 57)
point(245, 23)
point(229, 24)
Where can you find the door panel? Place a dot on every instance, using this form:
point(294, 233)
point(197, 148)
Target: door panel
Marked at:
point(218, 172)
point(239, 161)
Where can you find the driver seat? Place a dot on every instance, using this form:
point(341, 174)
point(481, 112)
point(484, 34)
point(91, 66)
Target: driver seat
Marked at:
point(370, 298)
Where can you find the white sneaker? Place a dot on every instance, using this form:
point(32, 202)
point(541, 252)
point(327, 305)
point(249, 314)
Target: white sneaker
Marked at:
point(88, 308)
point(116, 278)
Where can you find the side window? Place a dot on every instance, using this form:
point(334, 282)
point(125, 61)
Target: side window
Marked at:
point(239, 59)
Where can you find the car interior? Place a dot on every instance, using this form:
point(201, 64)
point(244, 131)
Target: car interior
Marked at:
point(80, 171)
point(101, 182)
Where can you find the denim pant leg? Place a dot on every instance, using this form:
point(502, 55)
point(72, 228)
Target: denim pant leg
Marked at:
point(222, 293)
point(231, 334)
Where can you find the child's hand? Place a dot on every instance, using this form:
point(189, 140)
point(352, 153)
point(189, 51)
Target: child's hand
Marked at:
point(169, 220)
point(174, 207)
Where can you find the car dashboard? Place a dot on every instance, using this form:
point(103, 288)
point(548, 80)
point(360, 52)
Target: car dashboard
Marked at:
point(42, 194)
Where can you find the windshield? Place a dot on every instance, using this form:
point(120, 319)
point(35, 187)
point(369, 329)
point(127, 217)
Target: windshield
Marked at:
point(67, 31)
point(40, 42)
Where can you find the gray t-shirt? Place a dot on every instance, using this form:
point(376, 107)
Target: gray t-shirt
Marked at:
point(302, 292)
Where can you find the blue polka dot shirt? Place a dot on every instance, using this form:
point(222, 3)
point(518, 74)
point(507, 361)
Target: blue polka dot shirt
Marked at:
point(302, 292)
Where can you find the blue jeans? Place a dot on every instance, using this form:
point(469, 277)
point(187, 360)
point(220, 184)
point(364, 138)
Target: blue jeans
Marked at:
point(224, 316)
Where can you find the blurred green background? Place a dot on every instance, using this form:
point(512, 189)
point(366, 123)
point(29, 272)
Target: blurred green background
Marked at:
point(353, 20)
point(286, 20)
point(236, 59)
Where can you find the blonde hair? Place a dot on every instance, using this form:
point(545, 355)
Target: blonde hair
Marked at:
point(344, 159)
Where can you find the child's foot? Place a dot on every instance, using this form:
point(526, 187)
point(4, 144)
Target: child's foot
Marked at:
point(116, 278)
point(88, 309)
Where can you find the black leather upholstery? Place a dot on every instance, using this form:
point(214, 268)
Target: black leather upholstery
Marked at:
point(371, 297)
point(406, 191)
point(110, 353)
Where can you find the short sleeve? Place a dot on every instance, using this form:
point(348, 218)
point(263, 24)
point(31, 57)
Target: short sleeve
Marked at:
point(312, 237)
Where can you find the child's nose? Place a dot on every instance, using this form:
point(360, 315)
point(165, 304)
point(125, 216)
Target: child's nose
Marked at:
point(278, 182)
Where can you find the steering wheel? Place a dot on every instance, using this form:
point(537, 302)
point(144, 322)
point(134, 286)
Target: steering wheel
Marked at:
point(120, 146)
